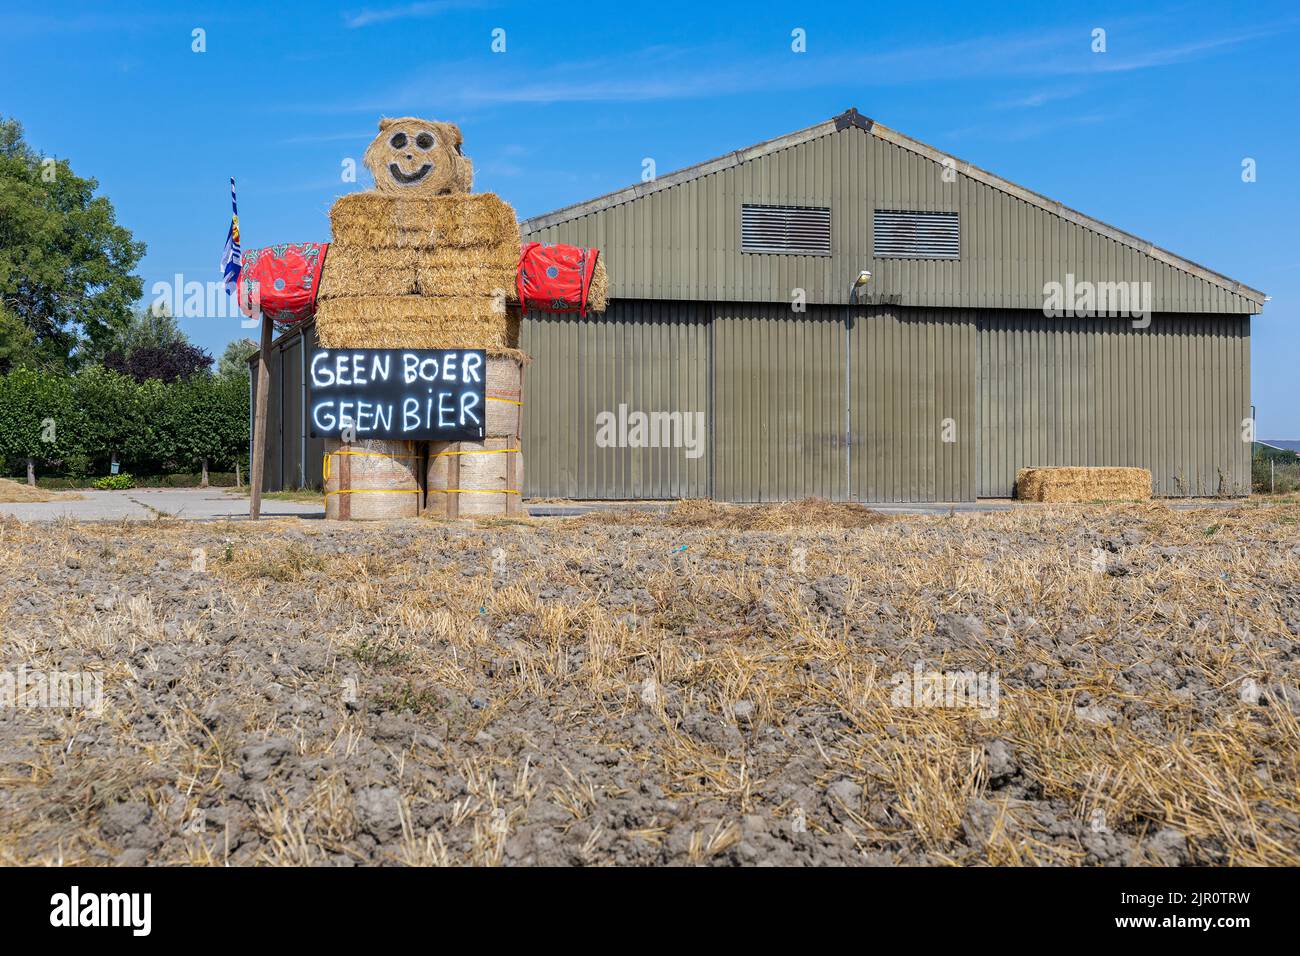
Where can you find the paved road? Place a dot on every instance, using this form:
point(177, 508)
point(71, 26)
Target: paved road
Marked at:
point(145, 504)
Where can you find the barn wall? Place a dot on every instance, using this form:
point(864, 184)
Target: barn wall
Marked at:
point(1170, 397)
point(780, 402)
point(913, 410)
point(648, 356)
point(851, 403)
point(830, 402)
point(290, 461)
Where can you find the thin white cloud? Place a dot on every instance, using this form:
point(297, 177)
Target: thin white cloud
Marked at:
point(1039, 98)
point(357, 137)
point(1168, 55)
point(664, 73)
point(431, 8)
point(1035, 128)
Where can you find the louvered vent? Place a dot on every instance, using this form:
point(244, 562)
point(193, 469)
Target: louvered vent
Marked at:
point(791, 230)
point(916, 235)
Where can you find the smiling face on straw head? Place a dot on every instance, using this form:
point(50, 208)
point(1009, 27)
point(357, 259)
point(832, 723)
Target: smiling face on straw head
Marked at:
point(418, 157)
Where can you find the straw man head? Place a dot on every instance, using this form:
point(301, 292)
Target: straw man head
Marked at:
point(417, 157)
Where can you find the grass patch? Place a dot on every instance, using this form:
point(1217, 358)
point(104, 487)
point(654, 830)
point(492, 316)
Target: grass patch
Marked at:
point(303, 495)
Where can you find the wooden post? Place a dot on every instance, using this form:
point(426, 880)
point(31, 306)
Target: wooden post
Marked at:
point(453, 481)
point(512, 500)
point(345, 483)
point(258, 464)
point(515, 503)
point(422, 475)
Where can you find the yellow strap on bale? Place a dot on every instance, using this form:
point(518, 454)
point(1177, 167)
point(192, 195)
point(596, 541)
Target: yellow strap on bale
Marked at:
point(508, 401)
point(475, 491)
point(488, 451)
point(375, 491)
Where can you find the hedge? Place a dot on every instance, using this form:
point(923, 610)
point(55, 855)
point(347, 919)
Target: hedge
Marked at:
point(77, 425)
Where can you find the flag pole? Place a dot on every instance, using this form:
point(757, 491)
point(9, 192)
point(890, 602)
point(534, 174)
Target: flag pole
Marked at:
point(259, 421)
point(257, 467)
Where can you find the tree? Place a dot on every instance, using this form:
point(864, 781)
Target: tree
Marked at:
point(38, 417)
point(166, 363)
point(233, 363)
point(202, 421)
point(119, 414)
point(232, 400)
point(16, 341)
point(65, 263)
point(154, 326)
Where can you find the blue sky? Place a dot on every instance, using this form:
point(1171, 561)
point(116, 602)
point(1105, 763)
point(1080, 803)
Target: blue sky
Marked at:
point(1149, 136)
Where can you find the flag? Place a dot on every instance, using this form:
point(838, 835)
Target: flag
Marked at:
point(231, 261)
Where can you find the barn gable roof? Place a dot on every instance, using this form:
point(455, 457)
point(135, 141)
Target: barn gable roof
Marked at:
point(852, 120)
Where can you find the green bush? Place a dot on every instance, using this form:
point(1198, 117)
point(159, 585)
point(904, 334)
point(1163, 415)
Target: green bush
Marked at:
point(1277, 471)
point(187, 479)
point(118, 482)
point(77, 425)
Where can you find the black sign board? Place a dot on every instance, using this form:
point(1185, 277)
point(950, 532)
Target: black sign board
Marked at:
point(419, 394)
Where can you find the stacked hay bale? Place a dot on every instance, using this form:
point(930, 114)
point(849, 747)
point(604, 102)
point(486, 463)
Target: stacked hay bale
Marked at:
point(421, 262)
point(1083, 484)
point(372, 479)
point(487, 477)
point(420, 272)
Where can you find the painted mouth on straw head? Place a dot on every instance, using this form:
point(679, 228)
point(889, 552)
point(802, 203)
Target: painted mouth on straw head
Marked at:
point(408, 178)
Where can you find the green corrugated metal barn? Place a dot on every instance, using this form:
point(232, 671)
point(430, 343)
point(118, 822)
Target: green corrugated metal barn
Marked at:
point(741, 300)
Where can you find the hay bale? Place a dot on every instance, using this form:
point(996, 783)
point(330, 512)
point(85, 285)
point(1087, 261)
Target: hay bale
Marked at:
point(501, 255)
point(360, 271)
point(475, 478)
point(1029, 483)
point(371, 479)
point(523, 358)
point(504, 396)
point(460, 221)
point(467, 279)
point(352, 271)
point(417, 322)
point(598, 291)
point(1062, 484)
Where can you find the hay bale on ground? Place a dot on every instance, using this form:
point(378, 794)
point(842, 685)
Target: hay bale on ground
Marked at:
point(371, 479)
point(1062, 484)
point(475, 478)
point(417, 322)
point(460, 220)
